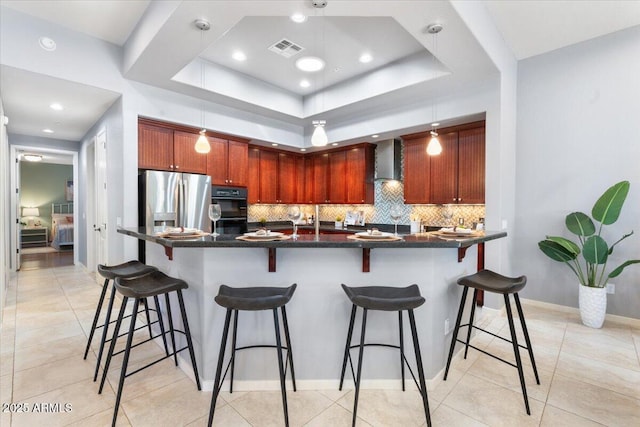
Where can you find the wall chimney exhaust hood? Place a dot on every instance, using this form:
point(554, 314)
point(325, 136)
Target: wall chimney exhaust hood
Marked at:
point(389, 160)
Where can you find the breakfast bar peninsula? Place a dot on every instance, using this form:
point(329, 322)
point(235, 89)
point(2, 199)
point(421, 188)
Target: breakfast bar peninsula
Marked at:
point(319, 311)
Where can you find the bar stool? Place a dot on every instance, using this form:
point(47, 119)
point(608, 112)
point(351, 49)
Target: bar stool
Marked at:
point(139, 288)
point(490, 281)
point(385, 298)
point(254, 299)
point(126, 270)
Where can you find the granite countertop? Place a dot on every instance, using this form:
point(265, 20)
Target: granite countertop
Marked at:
point(418, 240)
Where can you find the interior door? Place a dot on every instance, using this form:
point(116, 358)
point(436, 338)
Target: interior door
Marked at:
point(100, 224)
point(18, 217)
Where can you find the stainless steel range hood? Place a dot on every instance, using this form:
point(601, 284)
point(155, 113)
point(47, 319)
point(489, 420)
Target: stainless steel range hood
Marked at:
point(389, 160)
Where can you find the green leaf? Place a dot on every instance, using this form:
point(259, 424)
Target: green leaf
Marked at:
point(621, 267)
point(595, 250)
point(580, 224)
point(556, 251)
point(565, 243)
point(607, 208)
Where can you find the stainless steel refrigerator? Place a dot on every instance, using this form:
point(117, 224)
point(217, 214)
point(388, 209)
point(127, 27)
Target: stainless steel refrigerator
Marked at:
point(173, 199)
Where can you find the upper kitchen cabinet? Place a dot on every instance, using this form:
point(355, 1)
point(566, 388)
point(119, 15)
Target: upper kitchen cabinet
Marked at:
point(228, 162)
point(274, 176)
point(185, 157)
point(360, 174)
point(155, 147)
point(455, 176)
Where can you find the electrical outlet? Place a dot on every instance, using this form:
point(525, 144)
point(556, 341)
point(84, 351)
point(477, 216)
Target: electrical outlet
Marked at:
point(446, 326)
point(611, 288)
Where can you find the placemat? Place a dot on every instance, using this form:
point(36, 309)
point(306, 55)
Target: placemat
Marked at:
point(178, 237)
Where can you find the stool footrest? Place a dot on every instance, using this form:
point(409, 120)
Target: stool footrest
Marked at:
point(148, 339)
point(488, 354)
point(491, 333)
point(155, 361)
point(261, 346)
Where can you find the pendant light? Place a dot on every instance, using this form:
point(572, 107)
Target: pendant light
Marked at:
point(202, 144)
point(319, 137)
point(434, 147)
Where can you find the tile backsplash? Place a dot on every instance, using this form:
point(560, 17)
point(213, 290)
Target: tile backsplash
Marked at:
point(387, 194)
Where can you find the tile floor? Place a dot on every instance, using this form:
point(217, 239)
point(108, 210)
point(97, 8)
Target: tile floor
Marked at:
point(588, 377)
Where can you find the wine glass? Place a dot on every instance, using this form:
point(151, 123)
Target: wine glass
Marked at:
point(294, 215)
point(396, 214)
point(215, 212)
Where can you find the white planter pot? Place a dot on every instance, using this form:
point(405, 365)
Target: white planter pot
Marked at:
point(338, 224)
point(593, 305)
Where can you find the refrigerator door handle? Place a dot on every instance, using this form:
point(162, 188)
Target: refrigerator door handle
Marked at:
point(181, 197)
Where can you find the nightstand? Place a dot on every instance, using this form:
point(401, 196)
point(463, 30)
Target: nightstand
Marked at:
point(34, 236)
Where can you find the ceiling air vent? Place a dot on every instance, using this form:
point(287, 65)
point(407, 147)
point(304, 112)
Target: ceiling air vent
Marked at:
point(286, 48)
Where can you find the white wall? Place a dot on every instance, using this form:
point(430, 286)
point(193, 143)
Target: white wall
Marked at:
point(5, 212)
point(578, 133)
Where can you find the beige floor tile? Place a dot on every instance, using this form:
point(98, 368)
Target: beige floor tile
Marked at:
point(102, 419)
point(44, 305)
point(43, 319)
point(147, 380)
point(592, 402)
point(74, 402)
point(443, 388)
point(265, 408)
point(44, 335)
point(6, 362)
point(42, 354)
point(336, 416)
point(446, 416)
point(507, 376)
point(182, 404)
point(535, 312)
point(605, 337)
point(554, 417)
point(51, 376)
point(230, 397)
point(622, 356)
point(614, 378)
point(387, 407)
point(334, 395)
point(545, 357)
point(225, 416)
point(6, 388)
point(491, 404)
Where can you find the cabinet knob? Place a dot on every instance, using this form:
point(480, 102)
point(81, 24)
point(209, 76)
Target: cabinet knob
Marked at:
point(177, 167)
point(170, 166)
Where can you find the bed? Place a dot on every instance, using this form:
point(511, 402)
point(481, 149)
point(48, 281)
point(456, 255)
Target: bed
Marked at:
point(62, 225)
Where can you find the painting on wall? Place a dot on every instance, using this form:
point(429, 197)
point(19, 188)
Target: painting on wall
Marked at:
point(68, 190)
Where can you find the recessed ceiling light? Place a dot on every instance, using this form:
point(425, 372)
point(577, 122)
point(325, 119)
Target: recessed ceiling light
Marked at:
point(304, 83)
point(47, 44)
point(32, 157)
point(274, 144)
point(375, 136)
point(335, 143)
point(56, 106)
point(239, 56)
point(365, 58)
point(434, 124)
point(298, 18)
point(47, 130)
point(310, 64)
point(303, 149)
point(337, 69)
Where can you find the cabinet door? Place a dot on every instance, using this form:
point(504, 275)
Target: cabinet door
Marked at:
point(308, 195)
point(238, 163)
point(320, 172)
point(155, 147)
point(301, 180)
point(268, 177)
point(287, 179)
point(253, 176)
point(185, 157)
point(471, 165)
point(337, 177)
point(444, 171)
point(359, 175)
point(217, 161)
point(417, 171)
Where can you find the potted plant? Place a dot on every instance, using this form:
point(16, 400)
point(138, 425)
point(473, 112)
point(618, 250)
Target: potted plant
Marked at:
point(590, 269)
point(338, 223)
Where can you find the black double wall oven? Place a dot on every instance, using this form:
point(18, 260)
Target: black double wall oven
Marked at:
point(233, 204)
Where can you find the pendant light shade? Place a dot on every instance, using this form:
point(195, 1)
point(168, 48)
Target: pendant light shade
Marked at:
point(202, 144)
point(434, 147)
point(319, 137)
